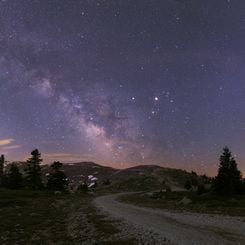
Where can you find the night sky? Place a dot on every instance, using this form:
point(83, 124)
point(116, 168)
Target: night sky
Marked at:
point(123, 82)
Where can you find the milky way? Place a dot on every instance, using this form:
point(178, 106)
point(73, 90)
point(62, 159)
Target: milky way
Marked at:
point(123, 82)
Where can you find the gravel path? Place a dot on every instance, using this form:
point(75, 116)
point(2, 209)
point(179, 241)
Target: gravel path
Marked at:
point(179, 228)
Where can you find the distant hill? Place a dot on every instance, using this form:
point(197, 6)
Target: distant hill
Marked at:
point(134, 178)
point(141, 177)
point(78, 172)
point(149, 177)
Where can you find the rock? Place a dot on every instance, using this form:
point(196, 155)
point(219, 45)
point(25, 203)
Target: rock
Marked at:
point(193, 189)
point(35, 237)
point(57, 192)
point(35, 214)
point(185, 201)
point(148, 194)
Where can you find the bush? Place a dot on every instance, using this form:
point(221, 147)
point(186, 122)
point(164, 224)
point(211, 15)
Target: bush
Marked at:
point(201, 189)
point(106, 182)
point(188, 185)
point(83, 188)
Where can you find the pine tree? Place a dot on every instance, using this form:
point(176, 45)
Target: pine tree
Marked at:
point(57, 180)
point(235, 177)
point(14, 178)
point(2, 161)
point(33, 171)
point(229, 179)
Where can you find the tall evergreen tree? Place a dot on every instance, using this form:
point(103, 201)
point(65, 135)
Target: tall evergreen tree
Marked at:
point(33, 177)
point(2, 161)
point(57, 180)
point(235, 177)
point(229, 179)
point(14, 178)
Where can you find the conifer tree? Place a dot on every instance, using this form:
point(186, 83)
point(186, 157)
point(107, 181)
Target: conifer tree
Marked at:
point(229, 179)
point(57, 180)
point(14, 178)
point(2, 161)
point(33, 177)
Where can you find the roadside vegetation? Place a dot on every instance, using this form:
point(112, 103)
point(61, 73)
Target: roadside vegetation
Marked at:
point(41, 217)
point(189, 201)
point(224, 194)
point(32, 217)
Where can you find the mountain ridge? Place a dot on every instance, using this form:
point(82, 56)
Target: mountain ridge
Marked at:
point(139, 176)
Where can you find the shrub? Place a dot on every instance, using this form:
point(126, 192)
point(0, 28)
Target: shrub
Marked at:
point(200, 189)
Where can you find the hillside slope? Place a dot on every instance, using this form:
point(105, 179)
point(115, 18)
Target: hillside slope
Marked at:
point(141, 177)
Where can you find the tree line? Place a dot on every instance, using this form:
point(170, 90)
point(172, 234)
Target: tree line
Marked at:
point(11, 177)
point(227, 182)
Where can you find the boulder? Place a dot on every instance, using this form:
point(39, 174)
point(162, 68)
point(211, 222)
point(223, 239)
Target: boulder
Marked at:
point(57, 192)
point(185, 201)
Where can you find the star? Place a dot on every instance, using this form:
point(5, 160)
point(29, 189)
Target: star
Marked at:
point(98, 81)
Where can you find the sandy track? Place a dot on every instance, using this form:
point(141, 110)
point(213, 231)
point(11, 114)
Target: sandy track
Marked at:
point(179, 228)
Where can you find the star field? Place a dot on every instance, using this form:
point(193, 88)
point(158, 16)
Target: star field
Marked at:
point(123, 82)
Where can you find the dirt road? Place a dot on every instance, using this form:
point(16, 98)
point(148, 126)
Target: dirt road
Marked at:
point(179, 228)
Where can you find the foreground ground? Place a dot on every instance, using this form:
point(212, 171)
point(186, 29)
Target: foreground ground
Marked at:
point(28, 217)
point(177, 227)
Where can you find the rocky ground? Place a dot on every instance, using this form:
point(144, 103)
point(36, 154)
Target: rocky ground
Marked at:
point(89, 225)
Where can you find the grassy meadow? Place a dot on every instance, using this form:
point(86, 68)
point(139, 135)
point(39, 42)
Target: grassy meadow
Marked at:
point(206, 203)
point(36, 217)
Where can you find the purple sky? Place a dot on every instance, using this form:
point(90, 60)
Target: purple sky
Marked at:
point(123, 82)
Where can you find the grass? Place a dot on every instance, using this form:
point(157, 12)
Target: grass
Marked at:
point(104, 227)
point(137, 183)
point(32, 217)
point(234, 206)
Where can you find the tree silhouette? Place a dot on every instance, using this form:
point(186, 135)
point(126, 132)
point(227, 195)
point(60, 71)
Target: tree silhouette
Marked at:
point(57, 180)
point(33, 177)
point(188, 185)
point(14, 178)
point(229, 179)
point(83, 188)
point(106, 182)
point(2, 161)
